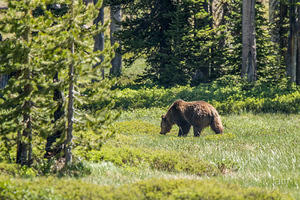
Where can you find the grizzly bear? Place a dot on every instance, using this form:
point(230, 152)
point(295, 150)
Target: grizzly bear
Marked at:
point(198, 114)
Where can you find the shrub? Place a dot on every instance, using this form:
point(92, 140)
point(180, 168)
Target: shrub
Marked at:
point(188, 189)
point(227, 94)
point(157, 159)
point(17, 170)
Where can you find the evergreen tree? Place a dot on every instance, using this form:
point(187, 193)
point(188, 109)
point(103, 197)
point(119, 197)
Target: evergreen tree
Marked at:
point(99, 38)
point(175, 36)
point(293, 51)
point(39, 48)
point(25, 99)
point(249, 62)
point(268, 67)
point(115, 26)
point(72, 37)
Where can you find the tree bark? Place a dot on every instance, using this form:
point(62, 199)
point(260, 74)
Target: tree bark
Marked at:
point(116, 17)
point(292, 43)
point(99, 39)
point(249, 42)
point(283, 40)
point(24, 144)
point(298, 48)
point(273, 15)
point(3, 77)
point(3, 80)
point(24, 148)
point(70, 109)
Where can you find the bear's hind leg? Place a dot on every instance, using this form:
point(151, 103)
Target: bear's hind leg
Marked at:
point(184, 129)
point(197, 131)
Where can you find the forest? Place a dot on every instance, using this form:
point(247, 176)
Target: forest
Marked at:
point(84, 85)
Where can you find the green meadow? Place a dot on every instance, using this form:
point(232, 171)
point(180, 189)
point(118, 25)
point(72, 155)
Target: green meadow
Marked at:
point(256, 158)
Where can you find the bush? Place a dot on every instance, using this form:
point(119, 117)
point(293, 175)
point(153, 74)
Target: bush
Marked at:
point(228, 94)
point(17, 170)
point(162, 160)
point(157, 159)
point(188, 189)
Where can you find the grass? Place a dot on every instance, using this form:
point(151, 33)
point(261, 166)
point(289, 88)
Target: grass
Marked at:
point(256, 150)
point(262, 150)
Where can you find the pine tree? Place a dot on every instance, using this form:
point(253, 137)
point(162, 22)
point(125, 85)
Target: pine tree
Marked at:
point(72, 37)
point(268, 68)
point(99, 38)
point(293, 51)
point(115, 26)
point(249, 62)
point(175, 36)
point(25, 97)
point(39, 48)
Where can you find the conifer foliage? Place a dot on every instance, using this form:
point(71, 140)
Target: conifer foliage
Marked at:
point(39, 48)
point(23, 105)
point(175, 36)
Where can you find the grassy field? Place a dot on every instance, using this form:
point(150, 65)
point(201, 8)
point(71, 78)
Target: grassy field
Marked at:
point(260, 151)
point(256, 150)
point(257, 155)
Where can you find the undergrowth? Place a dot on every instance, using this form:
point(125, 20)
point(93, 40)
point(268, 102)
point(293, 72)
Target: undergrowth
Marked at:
point(49, 188)
point(228, 94)
point(159, 160)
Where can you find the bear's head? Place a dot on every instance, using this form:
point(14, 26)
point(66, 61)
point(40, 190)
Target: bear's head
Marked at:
point(165, 125)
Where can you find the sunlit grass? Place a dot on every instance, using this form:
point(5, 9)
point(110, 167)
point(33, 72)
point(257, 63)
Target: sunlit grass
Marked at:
point(254, 151)
point(263, 149)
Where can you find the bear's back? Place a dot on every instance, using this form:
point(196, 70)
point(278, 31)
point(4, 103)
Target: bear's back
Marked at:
point(197, 112)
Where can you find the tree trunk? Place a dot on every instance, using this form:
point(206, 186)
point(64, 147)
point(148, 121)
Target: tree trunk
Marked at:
point(24, 148)
point(249, 42)
point(70, 109)
point(273, 15)
point(283, 40)
point(3, 77)
point(298, 48)
point(3, 80)
point(116, 17)
point(99, 39)
point(278, 11)
point(292, 44)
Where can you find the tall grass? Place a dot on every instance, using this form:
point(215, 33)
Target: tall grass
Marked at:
point(260, 150)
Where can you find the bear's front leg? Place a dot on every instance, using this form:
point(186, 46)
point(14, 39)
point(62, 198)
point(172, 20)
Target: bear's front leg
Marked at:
point(184, 129)
point(197, 131)
point(180, 132)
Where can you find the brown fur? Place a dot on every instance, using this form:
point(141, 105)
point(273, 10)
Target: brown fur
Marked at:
point(198, 114)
